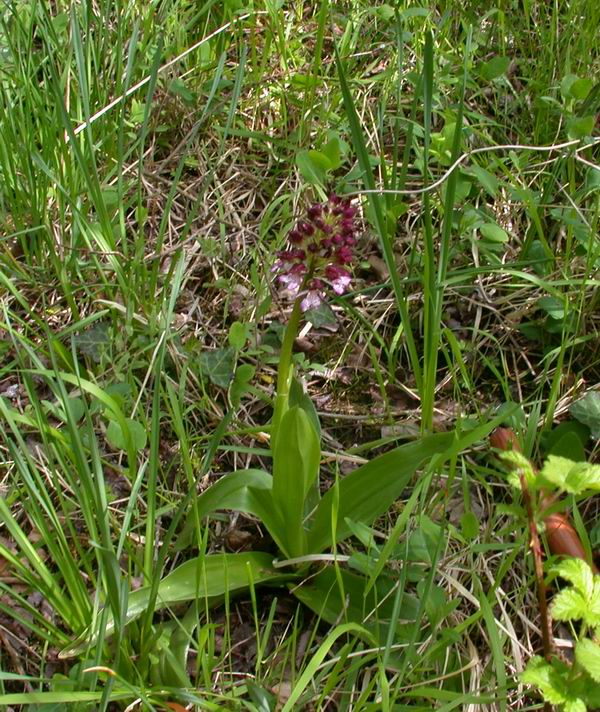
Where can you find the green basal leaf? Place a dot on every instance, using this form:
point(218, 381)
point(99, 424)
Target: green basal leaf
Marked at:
point(205, 578)
point(248, 491)
point(368, 492)
point(296, 462)
point(218, 365)
point(298, 396)
point(587, 654)
point(339, 596)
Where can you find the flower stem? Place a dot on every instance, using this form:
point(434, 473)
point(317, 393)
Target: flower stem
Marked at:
point(285, 370)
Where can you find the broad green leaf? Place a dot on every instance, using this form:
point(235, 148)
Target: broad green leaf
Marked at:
point(486, 179)
point(351, 603)
point(367, 492)
point(493, 232)
point(569, 605)
point(572, 477)
point(469, 525)
point(576, 88)
point(580, 126)
point(576, 705)
point(218, 365)
point(247, 491)
point(238, 335)
point(332, 150)
point(578, 573)
point(67, 697)
point(296, 462)
point(205, 578)
point(309, 170)
point(566, 83)
point(494, 68)
point(298, 396)
point(547, 679)
point(320, 159)
point(567, 440)
point(587, 411)
point(118, 439)
point(241, 382)
point(553, 306)
point(587, 654)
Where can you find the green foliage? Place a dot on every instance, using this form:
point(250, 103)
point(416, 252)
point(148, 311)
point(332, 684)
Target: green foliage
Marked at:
point(587, 411)
point(572, 687)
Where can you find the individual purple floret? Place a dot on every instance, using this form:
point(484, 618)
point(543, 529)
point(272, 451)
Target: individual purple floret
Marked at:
point(321, 245)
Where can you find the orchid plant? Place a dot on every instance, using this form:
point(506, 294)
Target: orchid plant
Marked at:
point(304, 523)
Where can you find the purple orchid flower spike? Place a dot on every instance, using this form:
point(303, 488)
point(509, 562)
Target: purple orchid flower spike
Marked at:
point(321, 246)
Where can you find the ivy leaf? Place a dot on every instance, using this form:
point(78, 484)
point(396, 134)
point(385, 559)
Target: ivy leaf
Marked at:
point(547, 679)
point(587, 654)
point(587, 411)
point(217, 364)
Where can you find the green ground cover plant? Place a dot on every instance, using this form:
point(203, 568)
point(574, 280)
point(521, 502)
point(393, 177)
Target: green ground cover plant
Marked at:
point(270, 275)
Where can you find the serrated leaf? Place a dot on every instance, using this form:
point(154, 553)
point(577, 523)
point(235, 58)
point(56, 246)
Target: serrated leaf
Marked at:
point(547, 680)
point(569, 605)
point(494, 68)
point(587, 411)
point(576, 705)
point(555, 470)
point(218, 364)
point(572, 477)
point(587, 654)
point(118, 439)
point(578, 573)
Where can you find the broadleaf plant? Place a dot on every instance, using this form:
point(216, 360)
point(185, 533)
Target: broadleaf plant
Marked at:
point(570, 686)
point(303, 524)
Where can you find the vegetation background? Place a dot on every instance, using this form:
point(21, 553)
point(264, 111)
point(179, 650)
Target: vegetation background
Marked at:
point(153, 157)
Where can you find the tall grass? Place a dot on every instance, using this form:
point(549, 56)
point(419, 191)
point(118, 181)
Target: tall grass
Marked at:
point(136, 232)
